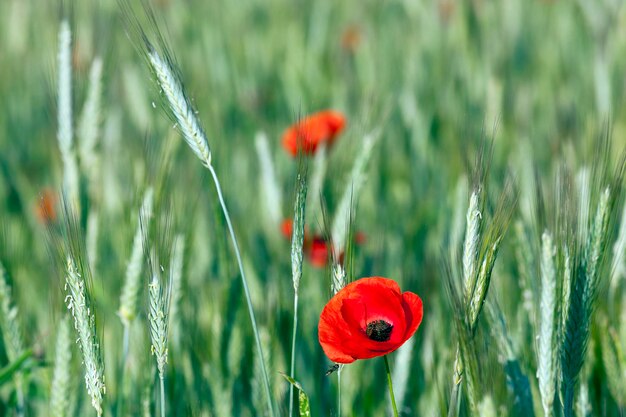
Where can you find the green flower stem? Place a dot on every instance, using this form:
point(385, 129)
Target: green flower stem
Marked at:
point(339, 391)
point(393, 398)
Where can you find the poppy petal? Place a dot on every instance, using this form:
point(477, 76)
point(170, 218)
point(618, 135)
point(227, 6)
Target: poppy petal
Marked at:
point(354, 312)
point(318, 253)
point(307, 134)
point(383, 301)
point(414, 311)
point(333, 332)
point(287, 228)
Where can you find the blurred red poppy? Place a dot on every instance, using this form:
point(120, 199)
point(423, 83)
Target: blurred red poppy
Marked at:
point(317, 249)
point(360, 238)
point(351, 38)
point(369, 317)
point(318, 252)
point(45, 207)
point(307, 134)
point(286, 228)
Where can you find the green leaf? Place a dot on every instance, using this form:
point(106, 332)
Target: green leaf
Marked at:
point(305, 410)
point(8, 371)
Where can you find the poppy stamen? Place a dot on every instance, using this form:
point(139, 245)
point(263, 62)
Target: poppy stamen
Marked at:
point(379, 330)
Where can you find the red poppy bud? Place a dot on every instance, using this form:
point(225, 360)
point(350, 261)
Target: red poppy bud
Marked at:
point(368, 318)
point(286, 229)
point(307, 134)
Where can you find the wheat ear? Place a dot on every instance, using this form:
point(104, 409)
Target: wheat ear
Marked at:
point(297, 243)
point(62, 375)
point(79, 305)
point(132, 283)
point(65, 129)
point(88, 128)
point(11, 334)
point(193, 133)
point(546, 349)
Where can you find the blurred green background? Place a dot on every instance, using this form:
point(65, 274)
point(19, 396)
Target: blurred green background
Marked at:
point(434, 78)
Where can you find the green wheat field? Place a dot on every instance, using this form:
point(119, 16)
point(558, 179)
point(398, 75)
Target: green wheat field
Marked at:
point(163, 252)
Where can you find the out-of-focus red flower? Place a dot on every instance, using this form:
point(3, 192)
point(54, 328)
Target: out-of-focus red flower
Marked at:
point(286, 228)
point(369, 317)
point(446, 10)
point(360, 238)
point(318, 252)
point(317, 249)
point(307, 134)
point(351, 38)
point(45, 208)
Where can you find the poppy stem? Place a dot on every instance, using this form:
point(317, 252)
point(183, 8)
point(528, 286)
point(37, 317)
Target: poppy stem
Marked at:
point(339, 392)
point(390, 383)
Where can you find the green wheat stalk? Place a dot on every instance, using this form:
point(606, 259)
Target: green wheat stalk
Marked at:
point(79, 304)
point(132, 284)
point(583, 287)
point(176, 283)
point(11, 334)
point(614, 360)
point(547, 342)
point(61, 375)
point(297, 243)
point(181, 110)
point(65, 131)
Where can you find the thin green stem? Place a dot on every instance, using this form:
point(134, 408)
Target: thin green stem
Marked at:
point(257, 338)
point(454, 401)
point(21, 405)
point(393, 398)
point(125, 344)
point(339, 391)
point(292, 372)
point(125, 349)
point(453, 407)
point(162, 380)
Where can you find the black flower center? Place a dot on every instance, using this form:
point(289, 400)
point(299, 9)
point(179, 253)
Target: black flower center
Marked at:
point(379, 330)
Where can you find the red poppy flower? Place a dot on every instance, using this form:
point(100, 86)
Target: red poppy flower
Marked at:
point(318, 252)
point(351, 38)
point(286, 228)
point(307, 134)
point(317, 249)
point(45, 207)
point(369, 317)
point(360, 238)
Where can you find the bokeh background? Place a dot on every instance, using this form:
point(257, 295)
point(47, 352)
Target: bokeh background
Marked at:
point(432, 80)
